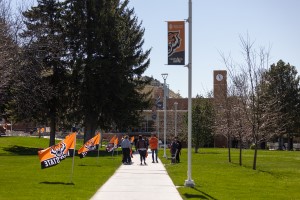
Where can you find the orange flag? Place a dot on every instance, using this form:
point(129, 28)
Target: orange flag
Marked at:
point(116, 142)
point(112, 140)
point(132, 139)
point(90, 145)
point(53, 155)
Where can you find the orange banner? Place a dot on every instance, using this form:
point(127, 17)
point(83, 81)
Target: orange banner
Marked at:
point(176, 43)
point(116, 142)
point(112, 140)
point(53, 155)
point(90, 145)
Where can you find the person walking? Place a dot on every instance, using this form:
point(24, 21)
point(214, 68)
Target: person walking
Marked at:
point(142, 148)
point(173, 150)
point(178, 152)
point(153, 146)
point(126, 146)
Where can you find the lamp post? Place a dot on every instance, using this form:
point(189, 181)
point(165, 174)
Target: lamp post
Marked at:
point(175, 105)
point(165, 75)
point(189, 182)
point(157, 122)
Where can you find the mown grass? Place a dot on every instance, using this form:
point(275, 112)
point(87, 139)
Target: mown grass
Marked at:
point(22, 176)
point(277, 175)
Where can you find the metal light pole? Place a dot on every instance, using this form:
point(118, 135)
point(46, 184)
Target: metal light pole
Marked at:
point(157, 122)
point(189, 182)
point(165, 75)
point(175, 105)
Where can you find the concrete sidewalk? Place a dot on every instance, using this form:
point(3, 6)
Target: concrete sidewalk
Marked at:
point(136, 182)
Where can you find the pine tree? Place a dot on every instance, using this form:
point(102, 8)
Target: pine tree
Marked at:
point(282, 99)
point(42, 76)
point(105, 43)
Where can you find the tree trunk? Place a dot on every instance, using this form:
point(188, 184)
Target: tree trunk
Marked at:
point(228, 146)
point(290, 142)
point(241, 146)
point(90, 126)
point(255, 156)
point(52, 127)
point(196, 148)
point(280, 143)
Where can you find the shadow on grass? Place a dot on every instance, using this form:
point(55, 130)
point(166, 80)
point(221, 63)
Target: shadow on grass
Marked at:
point(83, 165)
point(208, 153)
point(203, 195)
point(20, 150)
point(56, 183)
point(275, 175)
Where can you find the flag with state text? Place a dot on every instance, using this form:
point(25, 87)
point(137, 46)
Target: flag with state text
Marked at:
point(53, 155)
point(90, 145)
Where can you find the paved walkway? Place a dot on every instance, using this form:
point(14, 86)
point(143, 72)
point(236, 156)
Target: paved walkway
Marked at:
point(136, 182)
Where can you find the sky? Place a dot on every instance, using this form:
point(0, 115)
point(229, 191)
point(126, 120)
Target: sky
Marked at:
point(216, 29)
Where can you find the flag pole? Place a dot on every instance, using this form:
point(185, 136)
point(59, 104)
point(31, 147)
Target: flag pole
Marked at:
point(189, 182)
point(71, 179)
point(99, 147)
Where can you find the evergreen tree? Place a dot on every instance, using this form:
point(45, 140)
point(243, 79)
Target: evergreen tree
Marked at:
point(107, 61)
point(203, 121)
point(39, 94)
point(282, 96)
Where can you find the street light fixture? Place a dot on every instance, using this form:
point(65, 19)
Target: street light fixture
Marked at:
point(165, 75)
point(175, 105)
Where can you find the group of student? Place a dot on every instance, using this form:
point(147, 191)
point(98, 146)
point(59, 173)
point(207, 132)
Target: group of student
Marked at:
point(142, 145)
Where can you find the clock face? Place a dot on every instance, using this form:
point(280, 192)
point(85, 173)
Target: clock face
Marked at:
point(219, 77)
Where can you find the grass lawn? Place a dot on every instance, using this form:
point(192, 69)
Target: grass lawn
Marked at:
point(277, 175)
point(22, 176)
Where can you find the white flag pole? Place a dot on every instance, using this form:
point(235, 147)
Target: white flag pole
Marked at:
point(189, 182)
point(99, 147)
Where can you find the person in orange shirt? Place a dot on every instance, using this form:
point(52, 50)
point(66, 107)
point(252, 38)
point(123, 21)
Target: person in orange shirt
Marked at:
point(153, 142)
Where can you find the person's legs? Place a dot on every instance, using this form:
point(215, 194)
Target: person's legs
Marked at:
point(124, 155)
point(153, 150)
point(144, 157)
point(127, 156)
point(156, 155)
point(177, 157)
point(141, 156)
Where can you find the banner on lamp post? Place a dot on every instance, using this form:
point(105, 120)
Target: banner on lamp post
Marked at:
point(176, 43)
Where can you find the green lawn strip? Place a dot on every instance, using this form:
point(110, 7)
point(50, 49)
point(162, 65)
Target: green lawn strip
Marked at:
point(23, 178)
point(277, 175)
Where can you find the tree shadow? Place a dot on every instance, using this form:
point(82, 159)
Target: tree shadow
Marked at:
point(56, 183)
point(20, 150)
point(203, 195)
point(84, 165)
point(257, 170)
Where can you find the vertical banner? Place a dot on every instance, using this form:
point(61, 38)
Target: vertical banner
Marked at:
point(176, 43)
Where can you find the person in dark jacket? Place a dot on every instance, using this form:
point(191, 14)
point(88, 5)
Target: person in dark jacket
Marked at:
point(142, 148)
point(178, 152)
point(174, 149)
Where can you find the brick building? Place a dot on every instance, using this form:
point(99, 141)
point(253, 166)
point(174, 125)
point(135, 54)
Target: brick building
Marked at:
point(154, 118)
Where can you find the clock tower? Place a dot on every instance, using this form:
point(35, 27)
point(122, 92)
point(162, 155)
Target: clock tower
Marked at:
point(220, 85)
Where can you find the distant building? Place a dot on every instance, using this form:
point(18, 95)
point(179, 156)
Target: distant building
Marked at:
point(154, 117)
